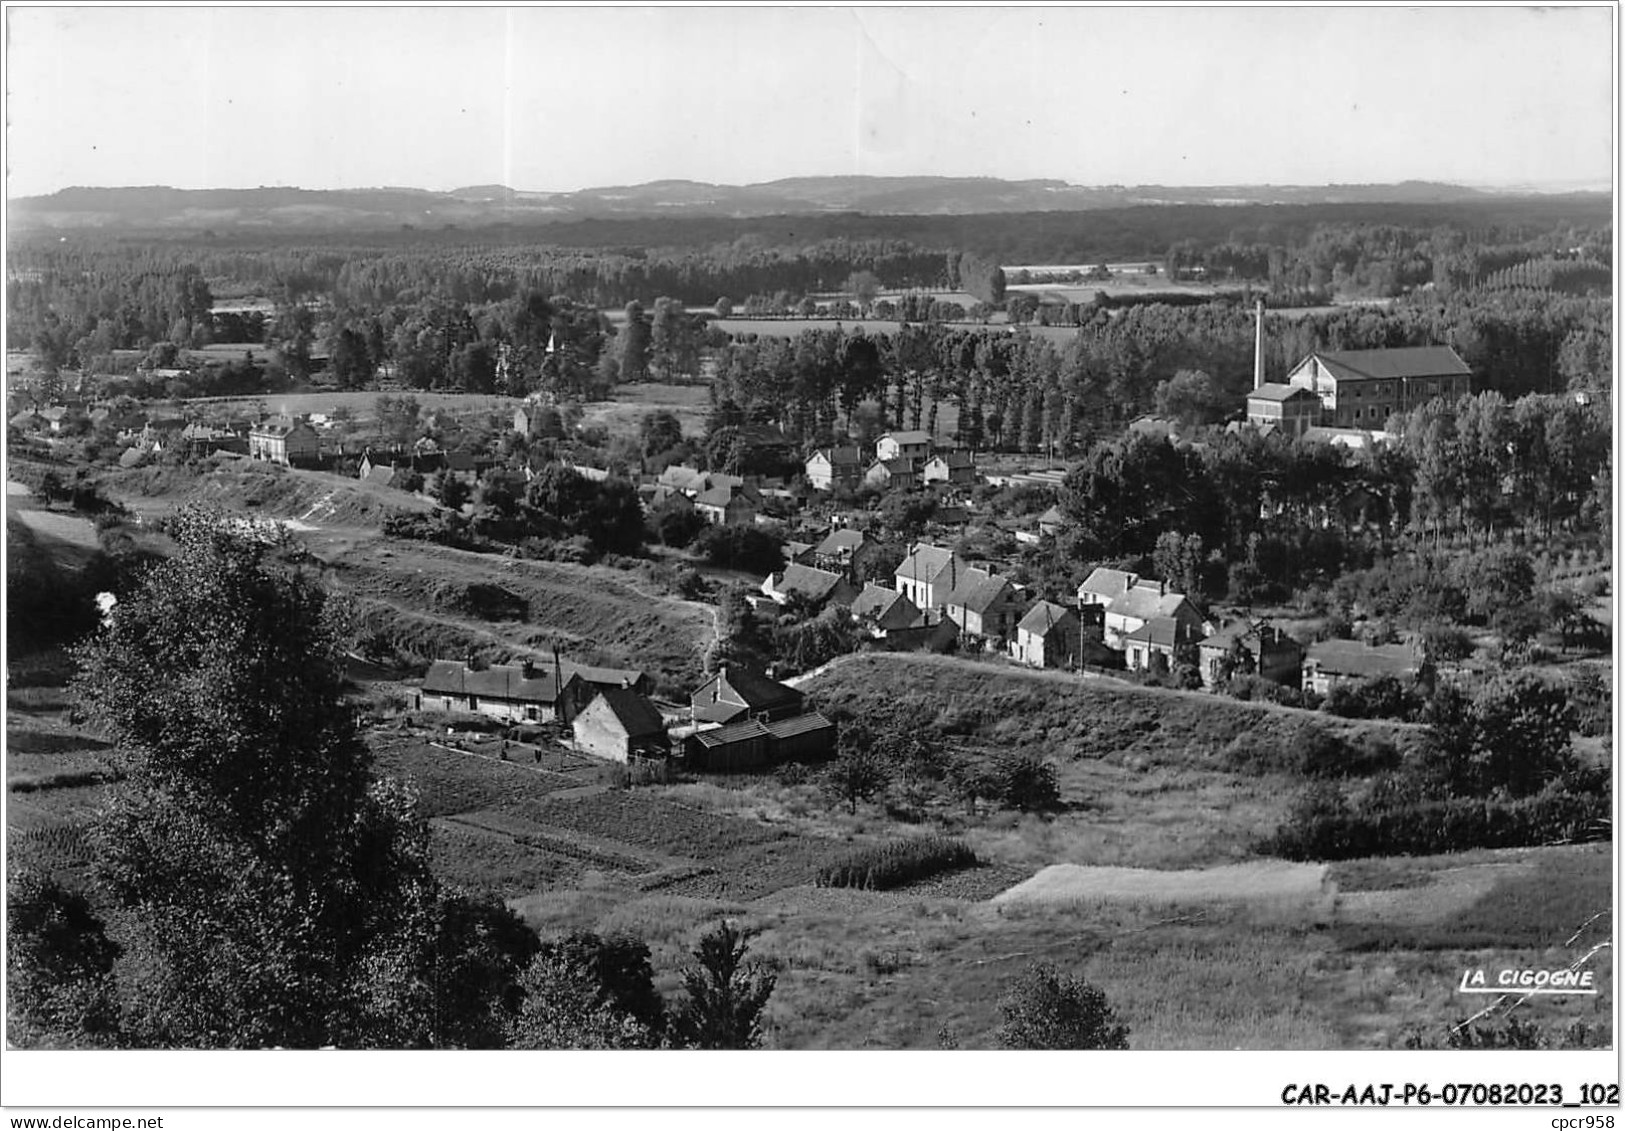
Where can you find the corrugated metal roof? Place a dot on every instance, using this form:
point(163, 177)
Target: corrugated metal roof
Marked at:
point(800, 724)
point(736, 732)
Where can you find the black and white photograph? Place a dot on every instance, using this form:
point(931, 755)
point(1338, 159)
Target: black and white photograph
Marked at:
point(615, 531)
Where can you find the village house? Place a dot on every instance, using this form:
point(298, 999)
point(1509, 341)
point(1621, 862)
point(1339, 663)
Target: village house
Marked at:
point(1331, 662)
point(735, 693)
point(957, 469)
point(813, 588)
point(886, 474)
point(914, 446)
point(689, 480)
point(984, 605)
point(620, 724)
point(659, 496)
point(882, 610)
point(520, 693)
point(928, 574)
point(1250, 648)
point(1103, 586)
point(1156, 645)
point(846, 551)
point(728, 505)
point(282, 439)
point(1051, 522)
point(1049, 636)
point(829, 468)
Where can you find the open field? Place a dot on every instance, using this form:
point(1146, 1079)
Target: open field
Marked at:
point(691, 404)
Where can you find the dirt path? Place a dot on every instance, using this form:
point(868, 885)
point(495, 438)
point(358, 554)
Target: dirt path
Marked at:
point(1273, 881)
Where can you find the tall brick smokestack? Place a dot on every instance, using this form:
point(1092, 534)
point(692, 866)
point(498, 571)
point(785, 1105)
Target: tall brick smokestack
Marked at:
point(1258, 348)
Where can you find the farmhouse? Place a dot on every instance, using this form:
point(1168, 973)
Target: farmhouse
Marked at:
point(829, 468)
point(619, 724)
point(814, 588)
point(515, 692)
point(1049, 636)
point(735, 693)
point(282, 439)
point(1250, 648)
point(1331, 662)
point(927, 575)
point(904, 445)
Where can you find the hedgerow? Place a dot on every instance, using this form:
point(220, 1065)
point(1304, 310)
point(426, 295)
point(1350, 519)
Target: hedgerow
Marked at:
point(898, 863)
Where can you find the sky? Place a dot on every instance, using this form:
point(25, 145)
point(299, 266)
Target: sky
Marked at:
point(562, 98)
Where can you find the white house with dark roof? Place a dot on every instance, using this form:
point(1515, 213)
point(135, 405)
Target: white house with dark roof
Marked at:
point(953, 468)
point(1292, 409)
point(913, 445)
point(845, 550)
point(829, 468)
point(928, 574)
point(619, 724)
point(1156, 643)
point(727, 505)
point(282, 439)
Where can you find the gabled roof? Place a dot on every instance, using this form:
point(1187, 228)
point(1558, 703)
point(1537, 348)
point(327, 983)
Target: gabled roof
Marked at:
point(1044, 617)
point(806, 582)
point(596, 675)
point(736, 732)
point(799, 724)
point(838, 457)
point(683, 478)
point(758, 692)
point(952, 460)
point(721, 496)
point(637, 716)
point(1108, 583)
point(271, 426)
point(499, 681)
point(842, 541)
point(1053, 516)
point(926, 562)
point(382, 474)
point(1164, 632)
point(899, 466)
point(911, 437)
point(875, 602)
point(1249, 635)
point(1412, 361)
point(978, 590)
point(1145, 603)
point(1274, 391)
point(1352, 658)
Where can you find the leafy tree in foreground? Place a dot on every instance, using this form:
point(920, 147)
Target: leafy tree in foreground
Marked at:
point(726, 995)
point(1046, 1009)
point(265, 888)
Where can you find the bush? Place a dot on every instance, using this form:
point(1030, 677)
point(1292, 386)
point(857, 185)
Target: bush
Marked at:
point(1318, 830)
point(901, 862)
point(1046, 1009)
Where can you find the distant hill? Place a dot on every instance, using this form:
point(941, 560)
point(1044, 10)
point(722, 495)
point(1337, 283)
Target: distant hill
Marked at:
point(160, 207)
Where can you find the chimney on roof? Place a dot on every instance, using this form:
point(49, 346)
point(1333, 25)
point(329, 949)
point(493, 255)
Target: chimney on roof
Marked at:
point(1258, 347)
point(527, 668)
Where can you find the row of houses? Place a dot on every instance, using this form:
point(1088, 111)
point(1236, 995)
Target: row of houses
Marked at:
point(736, 719)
